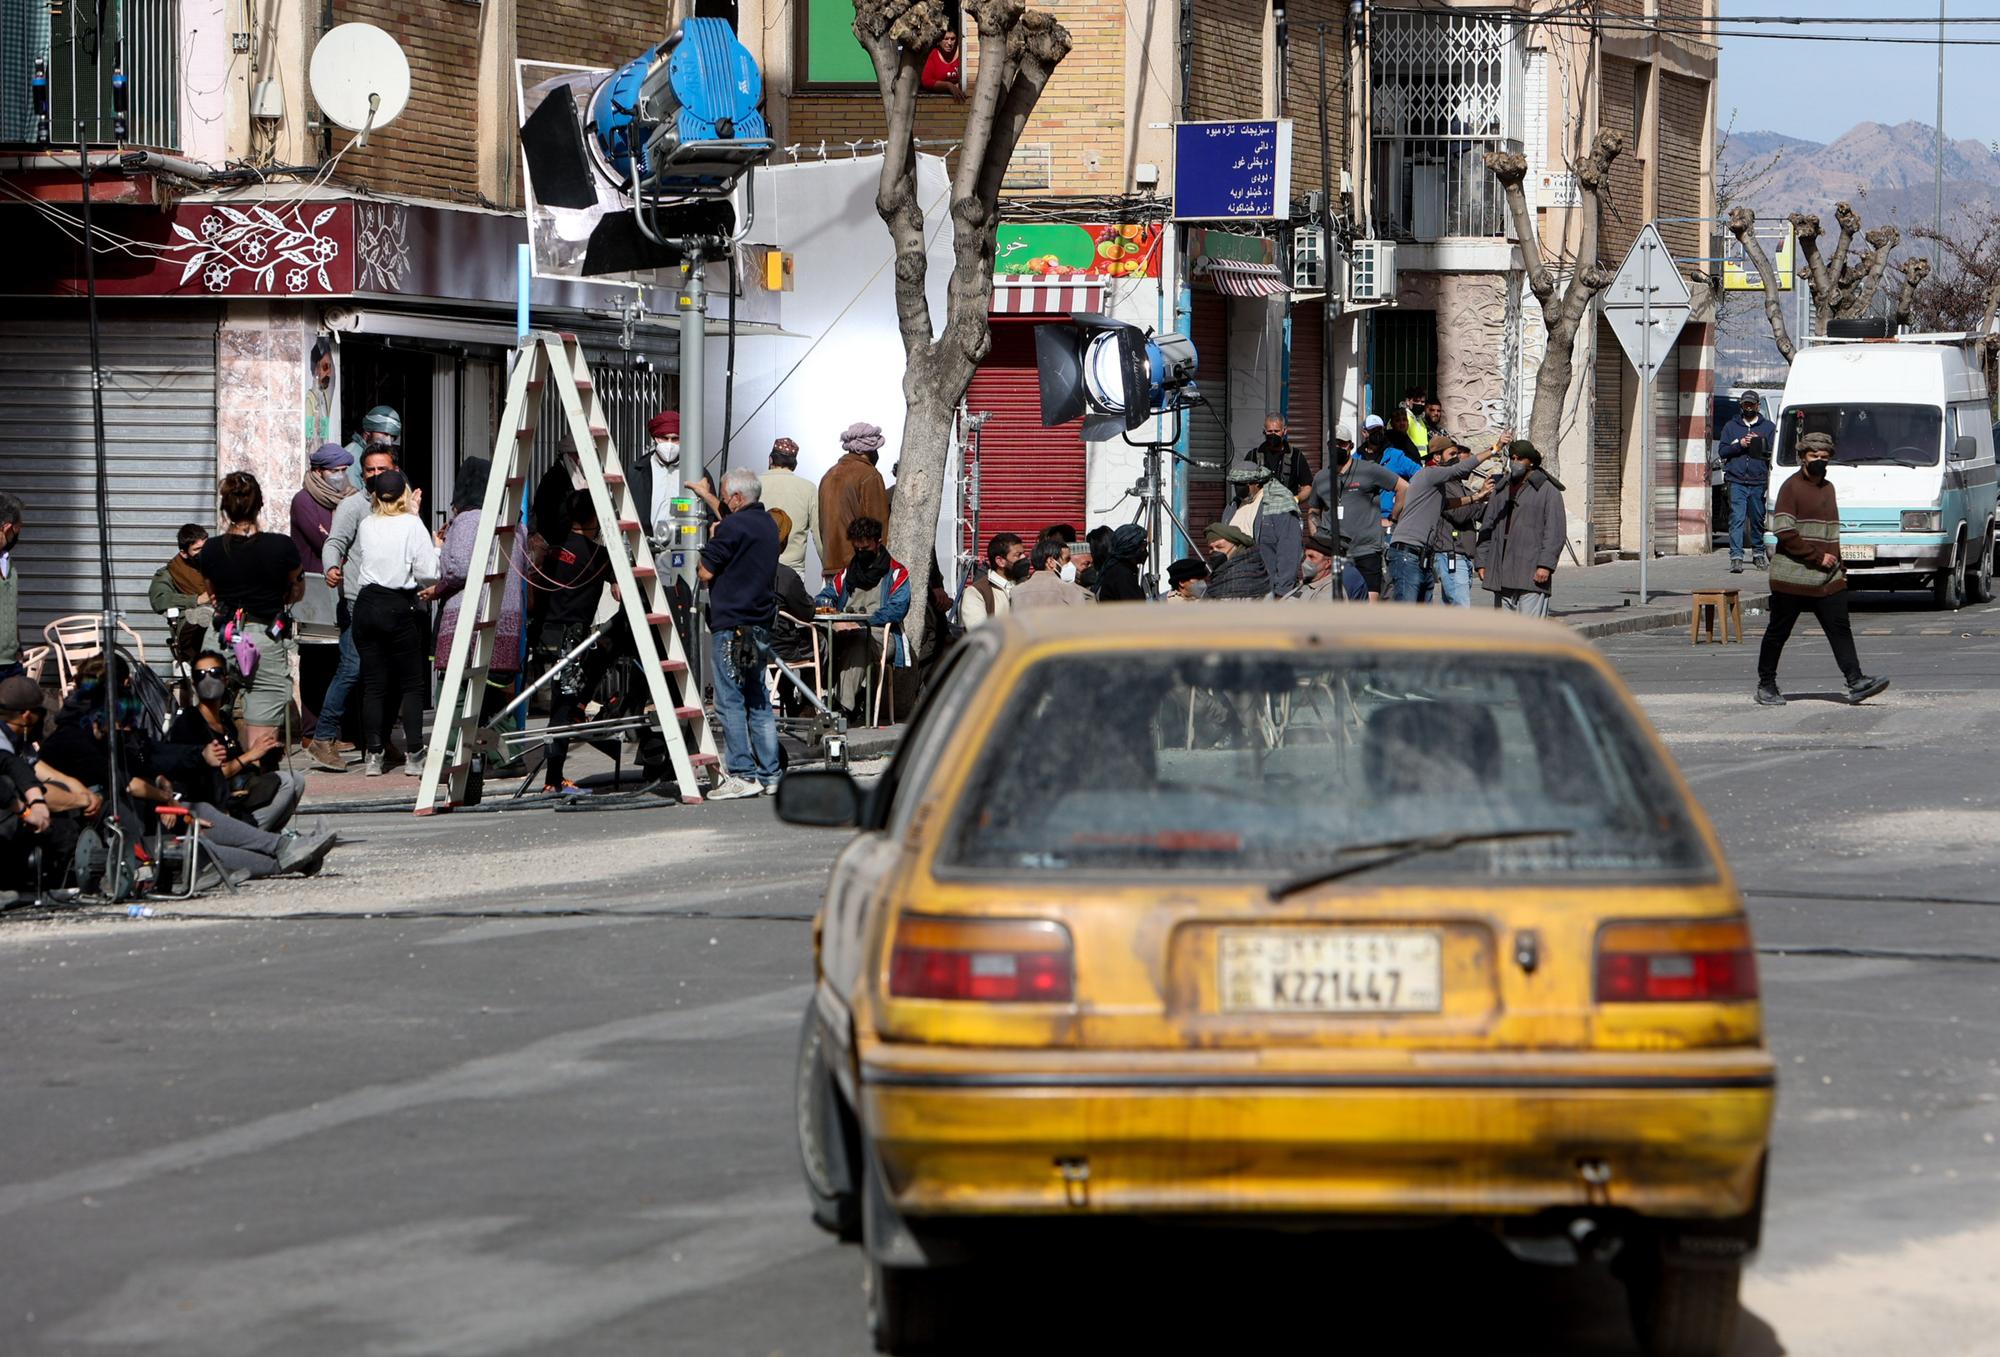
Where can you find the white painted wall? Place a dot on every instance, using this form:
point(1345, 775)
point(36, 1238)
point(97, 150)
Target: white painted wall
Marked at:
point(1113, 466)
point(845, 362)
point(1256, 368)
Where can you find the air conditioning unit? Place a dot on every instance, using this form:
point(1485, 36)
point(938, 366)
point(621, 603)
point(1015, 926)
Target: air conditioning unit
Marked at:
point(1371, 273)
point(1308, 275)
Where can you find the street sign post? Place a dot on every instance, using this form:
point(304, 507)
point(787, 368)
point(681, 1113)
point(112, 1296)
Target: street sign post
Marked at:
point(1647, 304)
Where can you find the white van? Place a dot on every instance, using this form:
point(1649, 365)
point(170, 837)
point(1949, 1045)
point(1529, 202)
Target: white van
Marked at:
point(1913, 462)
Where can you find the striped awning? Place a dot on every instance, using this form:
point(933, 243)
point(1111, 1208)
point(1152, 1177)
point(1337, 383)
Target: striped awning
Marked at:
point(1235, 278)
point(1014, 296)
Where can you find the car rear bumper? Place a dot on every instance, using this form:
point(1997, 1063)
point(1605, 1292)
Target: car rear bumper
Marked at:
point(1675, 1142)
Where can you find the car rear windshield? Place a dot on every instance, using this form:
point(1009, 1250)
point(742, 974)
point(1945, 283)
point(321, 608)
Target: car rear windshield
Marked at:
point(1282, 764)
point(1883, 435)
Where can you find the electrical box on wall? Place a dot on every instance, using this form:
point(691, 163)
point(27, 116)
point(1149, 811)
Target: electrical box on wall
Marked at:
point(771, 267)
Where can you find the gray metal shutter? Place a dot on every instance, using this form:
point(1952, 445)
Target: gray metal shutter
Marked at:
point(159, 425)
point(1607, 442)
point(1665, 456)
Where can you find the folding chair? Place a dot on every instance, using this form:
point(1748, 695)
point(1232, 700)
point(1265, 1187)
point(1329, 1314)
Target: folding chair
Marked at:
point(80, 637)
point(775, 681)
point(188, 840)
point(884, 689)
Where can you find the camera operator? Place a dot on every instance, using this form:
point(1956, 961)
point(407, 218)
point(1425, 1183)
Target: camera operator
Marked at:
point(739, 566)
point(1745, 454)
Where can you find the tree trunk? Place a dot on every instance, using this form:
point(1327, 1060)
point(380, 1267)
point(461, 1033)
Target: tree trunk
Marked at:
point(1742, 225)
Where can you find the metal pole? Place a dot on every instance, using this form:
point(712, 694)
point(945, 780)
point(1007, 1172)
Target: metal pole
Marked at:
point(1937, 245)
point(1645, 412)
point(692, 302)
point(113, 787)
point(1329, 276)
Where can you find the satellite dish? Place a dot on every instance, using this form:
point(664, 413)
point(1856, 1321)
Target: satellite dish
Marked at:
point(360, 78)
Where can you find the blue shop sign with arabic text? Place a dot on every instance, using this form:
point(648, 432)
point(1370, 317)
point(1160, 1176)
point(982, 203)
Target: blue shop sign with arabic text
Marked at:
point(1233, 171)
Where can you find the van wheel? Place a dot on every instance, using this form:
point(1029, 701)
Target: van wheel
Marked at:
point(1685, 1309)
point(826, 1137)
point(1948, 589)
point(1979, 574)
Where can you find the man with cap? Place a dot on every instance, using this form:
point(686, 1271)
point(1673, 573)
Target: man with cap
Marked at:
point(1274, 522)
point(1323, 576)
point(326, 485)
point(1807, 576)
point(1745, 454)
point(1187, 581)
point(655, 477)
point(381, 427)
point(1235, 569)
point(798, 497)
point(319, 396)
point(1411, 545)
point(1355, 486)
point(1521, 535)
point(852, 490)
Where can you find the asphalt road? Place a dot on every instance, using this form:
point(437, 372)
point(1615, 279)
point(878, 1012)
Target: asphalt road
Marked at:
point(519, 1083)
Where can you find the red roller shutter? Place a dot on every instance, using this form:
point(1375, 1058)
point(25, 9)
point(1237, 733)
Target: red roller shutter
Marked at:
point(1029, 476)
point(1208, 439)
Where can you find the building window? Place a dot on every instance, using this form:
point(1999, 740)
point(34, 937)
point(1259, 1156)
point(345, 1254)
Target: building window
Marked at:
point(1443, 87)
point(831, 57)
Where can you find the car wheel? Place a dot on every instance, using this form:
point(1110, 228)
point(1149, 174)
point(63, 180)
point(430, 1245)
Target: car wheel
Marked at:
point(825, 1141)
point(909, 1309)
point(1683, 1308)
point(1979, 574)
point(1948, 589)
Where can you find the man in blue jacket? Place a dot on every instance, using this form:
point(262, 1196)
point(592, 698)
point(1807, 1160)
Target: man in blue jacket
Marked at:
point(1745, 454)
point(870, 583)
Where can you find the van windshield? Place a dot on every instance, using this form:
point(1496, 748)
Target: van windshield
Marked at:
point(1884, 435)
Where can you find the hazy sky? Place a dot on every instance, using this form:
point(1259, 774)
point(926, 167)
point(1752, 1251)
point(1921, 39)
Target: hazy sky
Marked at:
point(1820, 89)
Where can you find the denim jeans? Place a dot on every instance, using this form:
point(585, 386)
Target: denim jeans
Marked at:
point(1406, 574)
point(1746, 519)
point(1450, 581)
point(749, 726)
point(346, 674)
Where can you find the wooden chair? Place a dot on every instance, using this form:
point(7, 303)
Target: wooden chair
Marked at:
point(1711, 604)
point(78, 638)
point(814, 666)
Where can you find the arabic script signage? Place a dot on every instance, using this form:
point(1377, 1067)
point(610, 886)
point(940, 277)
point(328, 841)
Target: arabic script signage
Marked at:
point(1233, 171)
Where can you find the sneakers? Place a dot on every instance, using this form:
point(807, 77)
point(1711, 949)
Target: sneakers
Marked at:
point(305, 853)
point(1864, 688)
point(325, 756)
point(1762, 562)
point(392, 758)
point(734, 788)
point(415, 767)
point(770, 789)
point(373, 765)
point(1735, 565)
point(566, 788)
point(1769, 696)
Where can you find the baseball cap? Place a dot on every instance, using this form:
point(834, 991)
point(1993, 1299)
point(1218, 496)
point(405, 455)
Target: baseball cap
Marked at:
point(1373, 422)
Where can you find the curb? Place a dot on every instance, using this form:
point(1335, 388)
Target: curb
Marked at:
point(1654, 621)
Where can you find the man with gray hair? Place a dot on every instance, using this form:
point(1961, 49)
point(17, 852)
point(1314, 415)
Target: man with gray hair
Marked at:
point(740, 567)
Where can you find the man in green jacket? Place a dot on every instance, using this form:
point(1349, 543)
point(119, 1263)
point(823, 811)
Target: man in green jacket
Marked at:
point(180, 584)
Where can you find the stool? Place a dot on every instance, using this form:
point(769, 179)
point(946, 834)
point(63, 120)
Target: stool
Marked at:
point(1709, 604)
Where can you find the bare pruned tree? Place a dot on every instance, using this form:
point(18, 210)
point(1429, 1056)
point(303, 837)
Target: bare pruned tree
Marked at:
point(1018, 50)
point(1966, 289)
point(1564, 310)
point(1844, 285)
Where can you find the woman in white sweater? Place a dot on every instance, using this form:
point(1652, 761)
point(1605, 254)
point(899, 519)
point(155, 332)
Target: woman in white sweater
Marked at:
point(397, 559)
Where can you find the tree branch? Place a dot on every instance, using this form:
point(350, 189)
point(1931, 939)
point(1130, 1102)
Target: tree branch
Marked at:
point(1849, 222)
point(1742, 225)
point(1512, 172)
point(996, 20)
point(1806, 231)
point(1882, 240)
point(1914, 272)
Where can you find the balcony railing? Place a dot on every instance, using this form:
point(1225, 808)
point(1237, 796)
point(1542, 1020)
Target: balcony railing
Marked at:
point(85, 101)
point(1427, 188)
point(1445, 89)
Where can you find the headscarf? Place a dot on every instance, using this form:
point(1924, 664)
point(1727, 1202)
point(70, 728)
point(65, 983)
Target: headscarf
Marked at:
point(469, 491)
point(861, 437)
point(1128, 543)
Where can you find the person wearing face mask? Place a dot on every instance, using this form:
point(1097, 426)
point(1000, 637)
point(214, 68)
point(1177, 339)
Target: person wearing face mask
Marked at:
point(1187, 581)
point(179, 584)
point(875, 583)
point(1235, 569)
point(27, 821)
point(1046, 587)
point(342, 557)
point(656, 477)
point(1745, 454)
point(787, 492)
point(1521, 535)
point(243, 784)
point(381, 428)
point(1277, 456)
point(326, 485)
point(1807, 576)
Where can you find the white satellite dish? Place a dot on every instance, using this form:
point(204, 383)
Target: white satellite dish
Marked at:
point(360, 78)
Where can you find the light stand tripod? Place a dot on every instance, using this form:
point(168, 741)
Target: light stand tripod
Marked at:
point(1153, 498)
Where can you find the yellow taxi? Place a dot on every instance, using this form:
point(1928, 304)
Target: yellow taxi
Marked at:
point(1289, 915)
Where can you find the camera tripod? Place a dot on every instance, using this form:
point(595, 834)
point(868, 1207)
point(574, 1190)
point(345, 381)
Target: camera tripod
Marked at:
point(1154, 500)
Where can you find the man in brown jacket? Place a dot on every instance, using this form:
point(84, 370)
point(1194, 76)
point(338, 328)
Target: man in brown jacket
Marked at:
point(852, 489)
point(1806, 574)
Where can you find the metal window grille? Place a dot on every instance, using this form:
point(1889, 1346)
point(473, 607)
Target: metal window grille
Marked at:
point(140, 38)
point(1444, 85)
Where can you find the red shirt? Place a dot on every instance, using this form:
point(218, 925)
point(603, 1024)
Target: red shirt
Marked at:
point(942, 72)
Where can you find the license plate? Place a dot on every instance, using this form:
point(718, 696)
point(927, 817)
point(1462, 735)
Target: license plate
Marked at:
point(1848, 553)
point(1329, 970)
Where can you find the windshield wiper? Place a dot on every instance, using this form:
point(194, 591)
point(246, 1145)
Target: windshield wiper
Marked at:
point(1399, 850)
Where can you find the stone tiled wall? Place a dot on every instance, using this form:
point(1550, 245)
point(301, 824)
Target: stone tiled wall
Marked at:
point(260, 397)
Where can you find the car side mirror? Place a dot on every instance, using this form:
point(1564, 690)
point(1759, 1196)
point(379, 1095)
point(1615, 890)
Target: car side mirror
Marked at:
point(1965, 449)
point(822, 798)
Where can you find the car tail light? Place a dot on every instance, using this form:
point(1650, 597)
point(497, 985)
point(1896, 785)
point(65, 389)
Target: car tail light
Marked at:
point(995, 961)
point(1693, 962)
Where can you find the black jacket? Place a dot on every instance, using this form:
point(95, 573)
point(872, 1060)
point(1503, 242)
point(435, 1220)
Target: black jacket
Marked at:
point(1241, 575)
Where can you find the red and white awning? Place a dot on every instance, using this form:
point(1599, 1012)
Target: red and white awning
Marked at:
point(1237, 278)
point(1045, 296)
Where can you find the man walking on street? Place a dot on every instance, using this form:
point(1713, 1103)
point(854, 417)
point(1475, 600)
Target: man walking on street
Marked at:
point(1807, 576)
point(740, 567)
point(1745, 454)
point(1521, 537)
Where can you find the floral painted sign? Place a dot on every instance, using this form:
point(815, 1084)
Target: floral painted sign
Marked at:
point(1077, 249)
point(261, 247)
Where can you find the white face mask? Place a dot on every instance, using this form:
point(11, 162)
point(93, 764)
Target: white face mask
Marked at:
point(668, 450)
point(1068, 571)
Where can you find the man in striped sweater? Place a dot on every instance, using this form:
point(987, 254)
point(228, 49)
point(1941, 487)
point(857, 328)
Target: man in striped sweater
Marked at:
point(1806, 574)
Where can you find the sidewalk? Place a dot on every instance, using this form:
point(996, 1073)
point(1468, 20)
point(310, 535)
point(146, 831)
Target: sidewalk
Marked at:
point(1603, 600)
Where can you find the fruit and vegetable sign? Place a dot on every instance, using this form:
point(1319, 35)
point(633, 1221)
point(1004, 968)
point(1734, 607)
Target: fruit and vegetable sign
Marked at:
point(1233, 171)
point(1076, 250)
